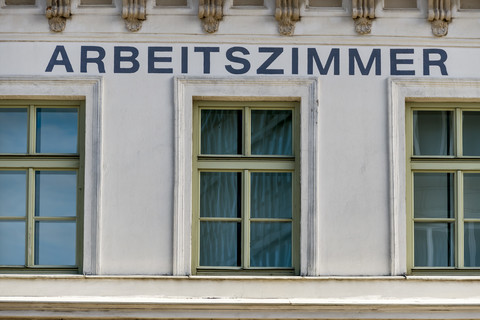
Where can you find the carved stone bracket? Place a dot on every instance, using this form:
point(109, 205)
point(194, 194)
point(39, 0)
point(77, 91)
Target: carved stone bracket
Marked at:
point(440, 14)
point(210, 12)
point(134, 12)
point(57, 13)
point(363, 11)
point(287, 12)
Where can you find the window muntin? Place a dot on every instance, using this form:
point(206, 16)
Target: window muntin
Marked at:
point(245, 188)
point(40, 186)
point(443, 187)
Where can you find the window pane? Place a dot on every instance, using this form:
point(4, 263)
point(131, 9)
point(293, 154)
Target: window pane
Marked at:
point(272, 132)
point(469, 4)
point(13, 130)
point(221, 132)
point(55, 242)
point(220, 243)
point(472, 245)
point(400, 4)
point(55, 193)
point(57, 130)
point(434, 245)
point(13, 193)
point(271, 244)
point(471, 195)
point(172, 3)
point(248, 2)
point(471, 133)
point(432, 133)
point(12, 243)
point(325, 3)
point(271, 195)
point(20, 2)
point(95, 2)
point(220, 194)
point(433, 195)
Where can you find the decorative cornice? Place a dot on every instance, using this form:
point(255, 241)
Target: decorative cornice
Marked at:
point(287, 12)
point(57, 13)
point(440, 14)
point(134, 13)
point(210, 12)
point(363, 11)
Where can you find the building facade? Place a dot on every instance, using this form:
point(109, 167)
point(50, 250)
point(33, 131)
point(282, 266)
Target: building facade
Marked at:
point(239, 159)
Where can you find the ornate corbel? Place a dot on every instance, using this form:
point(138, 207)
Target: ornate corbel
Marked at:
point(440, 14)
point(134, 13)
point(57, 13)
point(287, 12)
point(210, 12)
point(363, 11)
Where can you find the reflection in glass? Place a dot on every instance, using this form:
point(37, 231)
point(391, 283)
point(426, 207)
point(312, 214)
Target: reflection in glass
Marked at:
point(271, 244)
point(57, 130)
point(271, 132)
point(471, 195)
point(432, 133)
point(472, 245)
point(433, 195)
point(13, 193)
point(55, 242)
point(12, 243)
point(271, 195)
point(55, 193)
point(221, 132)
point(220, 243)
point(434, 245)
point(220, 194)
point(471, 133)
point(13, 130)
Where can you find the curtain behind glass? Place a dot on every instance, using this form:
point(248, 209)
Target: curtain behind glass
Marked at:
point(221, 131)
point(432, 133)
point(271, 132)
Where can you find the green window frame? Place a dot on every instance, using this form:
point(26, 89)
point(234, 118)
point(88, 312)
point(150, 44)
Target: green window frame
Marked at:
point(244, 166)
point(443, 185)
point(42, 216)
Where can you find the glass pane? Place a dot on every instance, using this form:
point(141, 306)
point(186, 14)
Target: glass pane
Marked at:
point(12, 243)
point(432, 133)
point(248, 2)
point(434, 245)
point(13, 193)
point(55, 242)
point(172, 3)
point(271, 195)
point(220, 243)
point(471, 195)
point(20, 2)
point(56, 193)
point(472, 245)
point(57, 130)
point(469, 4)
point(220, 194)
point(471, 133)
point(325, 3)
point(400, 4)
point(433, 195)
point(221, 132)
point(13, 130)
point(271, 244)
point(272, 132)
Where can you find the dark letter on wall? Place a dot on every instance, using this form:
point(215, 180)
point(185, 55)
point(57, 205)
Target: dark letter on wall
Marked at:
point(353, 57)
point(152, 59)
point(132, 59)
point(84, 59)
point(206, 56)
point(263, 69)
point(439, 63)
point(394, 62)
point(333, 57)
point(232, 58)
point(54, 61)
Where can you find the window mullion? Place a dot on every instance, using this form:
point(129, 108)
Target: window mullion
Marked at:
point(247, 131)
point(31, 129)
point(458, 133)
point(30, 261)
point(459, 222)
point(246, 220)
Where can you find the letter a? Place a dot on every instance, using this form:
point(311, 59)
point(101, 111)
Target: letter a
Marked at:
point(64, 61)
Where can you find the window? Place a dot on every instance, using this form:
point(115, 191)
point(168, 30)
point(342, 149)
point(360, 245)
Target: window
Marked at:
point(443, 186)
point(245, 188)
point(325, 3)
point(41, 156)
point(400, 4)
point(469, 4)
